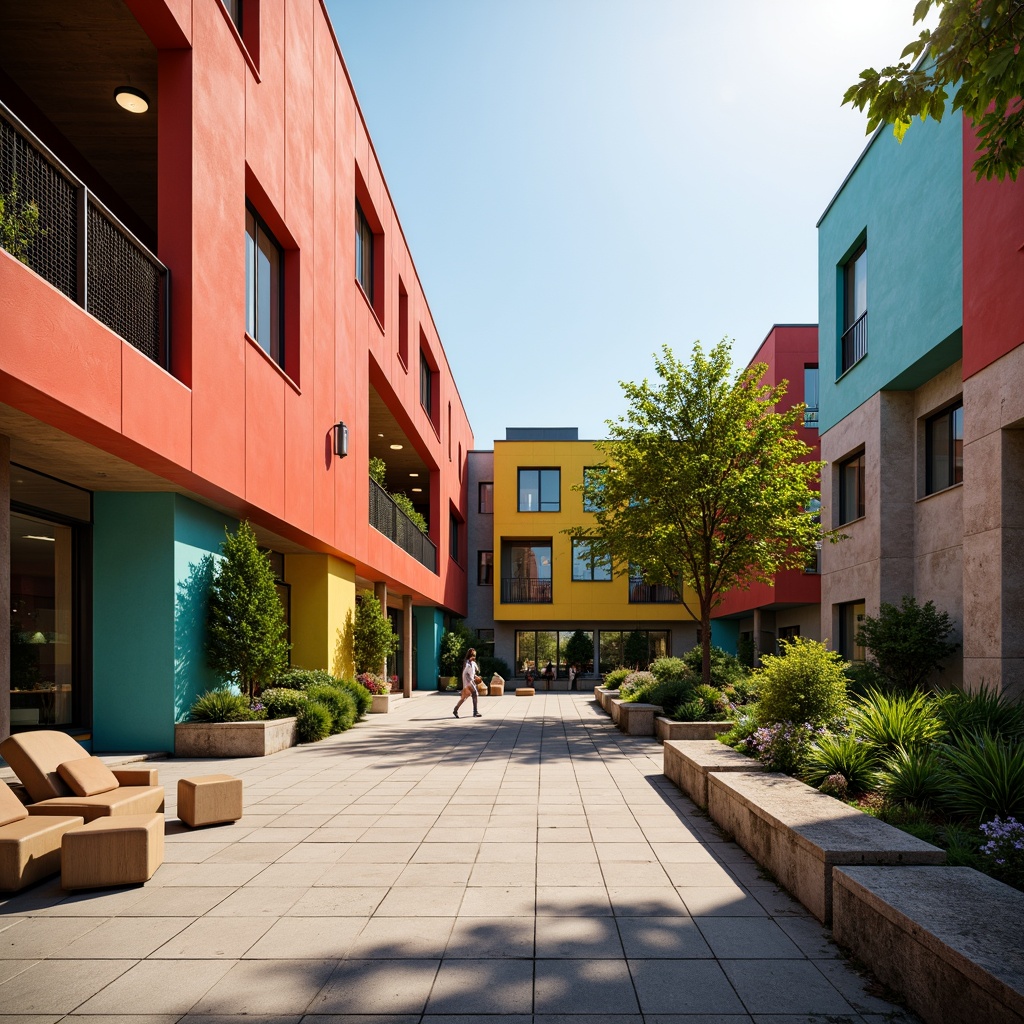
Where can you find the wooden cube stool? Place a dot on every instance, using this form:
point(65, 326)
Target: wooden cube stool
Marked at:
point(525, 691)
point(122, 850)
point(209, 799)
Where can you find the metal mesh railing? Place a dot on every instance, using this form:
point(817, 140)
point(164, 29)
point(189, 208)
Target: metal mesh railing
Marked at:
point(651, 593)
point(94, 260)
point(525, 591)
point(387, 518)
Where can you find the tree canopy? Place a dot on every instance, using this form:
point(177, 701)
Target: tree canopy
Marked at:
point(705, 486)
point(976, 52)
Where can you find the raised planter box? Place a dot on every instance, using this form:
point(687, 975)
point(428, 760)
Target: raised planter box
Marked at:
point(800, 834)
point(381, 704)
point(613, 709)
point(605, 699)
point(669, 729)
point(946, 938)
point(638, 719)
point(687, 763)
point(233, 739)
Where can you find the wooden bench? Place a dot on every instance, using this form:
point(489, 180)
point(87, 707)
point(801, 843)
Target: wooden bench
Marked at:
point(799, 834)
point(525, 691)
point(687, 763)
point(946, 938)
point(636, 719)
point(670, 729)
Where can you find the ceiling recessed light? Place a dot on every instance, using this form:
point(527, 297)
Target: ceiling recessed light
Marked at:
point(133, 100)
point(414, 474)
point(417, 490)
point(380, 435)
point(396, 447)
point(33, 536)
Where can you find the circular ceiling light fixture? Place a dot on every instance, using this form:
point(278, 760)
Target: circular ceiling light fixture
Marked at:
point(133, 100)
point(416, 490)
point(396, 447)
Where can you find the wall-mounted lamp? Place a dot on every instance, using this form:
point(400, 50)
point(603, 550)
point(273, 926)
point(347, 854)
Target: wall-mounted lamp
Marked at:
point(133, 100)
point(340, 440)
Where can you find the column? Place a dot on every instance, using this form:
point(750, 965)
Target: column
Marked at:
point(406, 645)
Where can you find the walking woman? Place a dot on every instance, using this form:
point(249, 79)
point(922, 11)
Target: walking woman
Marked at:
point(469, 678)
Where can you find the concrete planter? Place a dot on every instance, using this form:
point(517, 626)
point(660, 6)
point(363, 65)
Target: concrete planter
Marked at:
point(669, 729)
point(637, 719)
point(233, 739)
point(381, 704)
point(606, 697)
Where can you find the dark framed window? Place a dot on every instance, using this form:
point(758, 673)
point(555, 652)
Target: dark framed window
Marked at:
point(427, 386)
point(264, 287)
point(851, 618)
point(526, 571)
point(786, 633)
point(540, 490)
point(454, 537)
point(593, 484)
point(486, 499)
point(811, 397)
point(485, 568)
point(484, 643)
point(589, 566)
point(626, 648)
point(851, 489)
point(944, 449)
point(403, 324)
point(234, 9)
point(364, 254)
point(855, 308)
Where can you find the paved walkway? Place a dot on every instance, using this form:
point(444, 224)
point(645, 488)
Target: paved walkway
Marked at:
point(529, 867)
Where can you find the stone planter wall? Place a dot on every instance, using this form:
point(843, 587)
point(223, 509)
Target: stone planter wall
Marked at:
point(668, 729)
point(638, 719)
point(381, 704)
point(233, 739)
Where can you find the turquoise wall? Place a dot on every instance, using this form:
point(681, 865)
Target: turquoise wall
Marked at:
point(150, 573)
point(725, 633)
point(429, 625)
point(907, 201)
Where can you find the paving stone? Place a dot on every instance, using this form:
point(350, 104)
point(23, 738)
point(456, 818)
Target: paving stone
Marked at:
point(57, 986)
point(482, 987)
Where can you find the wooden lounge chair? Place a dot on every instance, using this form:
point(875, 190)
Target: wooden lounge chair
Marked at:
point(29, 846)
point(62, 779)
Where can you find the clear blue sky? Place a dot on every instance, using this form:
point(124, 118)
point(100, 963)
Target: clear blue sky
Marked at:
point(583, 181)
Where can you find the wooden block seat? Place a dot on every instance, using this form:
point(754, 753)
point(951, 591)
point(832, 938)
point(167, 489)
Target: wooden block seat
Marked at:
point(525, 691)
point(29, 846)
point(947, 939)
point(36, 758)
point(209, 799)
point(799, 834)
point(122, 850)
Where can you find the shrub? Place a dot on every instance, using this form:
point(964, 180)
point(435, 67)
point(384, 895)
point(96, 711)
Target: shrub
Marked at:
point(636, 685)
point(1003, 850)
point(377, 685)
point(338, 701)
point(671, 670)
point(781, 746)
point(579, 650)
point(373, 639)
point(313, 722)
point(360, 694)
point(701, 704)
point(862, 676)
point(984, 711)
point(221, 705)
point(283, 703)
point(455, 641)
point(985, 779)
point(742, 731)
point(903, 719)
point(907, 643)
point(303, 678)
point(488, 666)
point(670, 694)
point(725, 669)
point(613, 680)
point(806, 684)
point(913, 776)
point(742, 692)
point(855, 761)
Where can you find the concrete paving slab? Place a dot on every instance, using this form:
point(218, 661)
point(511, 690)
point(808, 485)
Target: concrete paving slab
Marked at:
point(484, 987)
point(491, 937)
point(213, 938)
point(266, 987)
point(368, 986)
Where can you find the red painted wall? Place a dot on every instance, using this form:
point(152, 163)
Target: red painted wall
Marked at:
point(228, 424)
point(993, 264)
point(786, 350)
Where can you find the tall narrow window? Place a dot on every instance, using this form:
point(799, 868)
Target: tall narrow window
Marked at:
point(454, 537)
point(264, 288)
point(851, 489)
point(593, 485)
point(811, 397)
point(944, 449)
point(426, 385)
point(855, 308)
point(485, 568)
point(539, 490)
point(851, 618)
point(364, 254)
point(486, 504)
point(234, 9)
point(403, 324)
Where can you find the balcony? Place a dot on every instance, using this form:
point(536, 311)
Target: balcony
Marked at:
point(855, 342)
point(525, 591)
point(82, 249)
point(651, 593)
point(387, 518)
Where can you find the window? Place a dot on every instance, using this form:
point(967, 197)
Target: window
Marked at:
point(787, 633)
point(944, 449)
point(593, 484)
point(811, 397)
point(364, 254)
point(535, 648)
point(234, 9)
point(454, 536)
point(642, 592)
point(855, 308)
point(627, 648)
point(851, 489)
point(426, 385)
point(264, 287)
point(485, 568)
point(851, 618)
point(403, 324)
point(526, 572)
point(539, 490)
point(486, 499)
point(588, 565)
point(484, 644)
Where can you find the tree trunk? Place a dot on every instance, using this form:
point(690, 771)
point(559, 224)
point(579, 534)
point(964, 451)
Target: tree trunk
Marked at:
point(705, 643)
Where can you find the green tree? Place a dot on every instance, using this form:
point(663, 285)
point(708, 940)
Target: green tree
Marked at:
point(19, 223)
point(245, 622)
point(977, 51)
point(373, 639)
point(455, 641)
point(635, 649)
point(705, 485)
point(579, 650)
point(907, 643)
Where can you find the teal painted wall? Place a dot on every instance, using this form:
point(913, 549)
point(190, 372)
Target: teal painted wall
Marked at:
point(149, 595)
point(429, 625)
point(725, 633)
point(907, 201)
